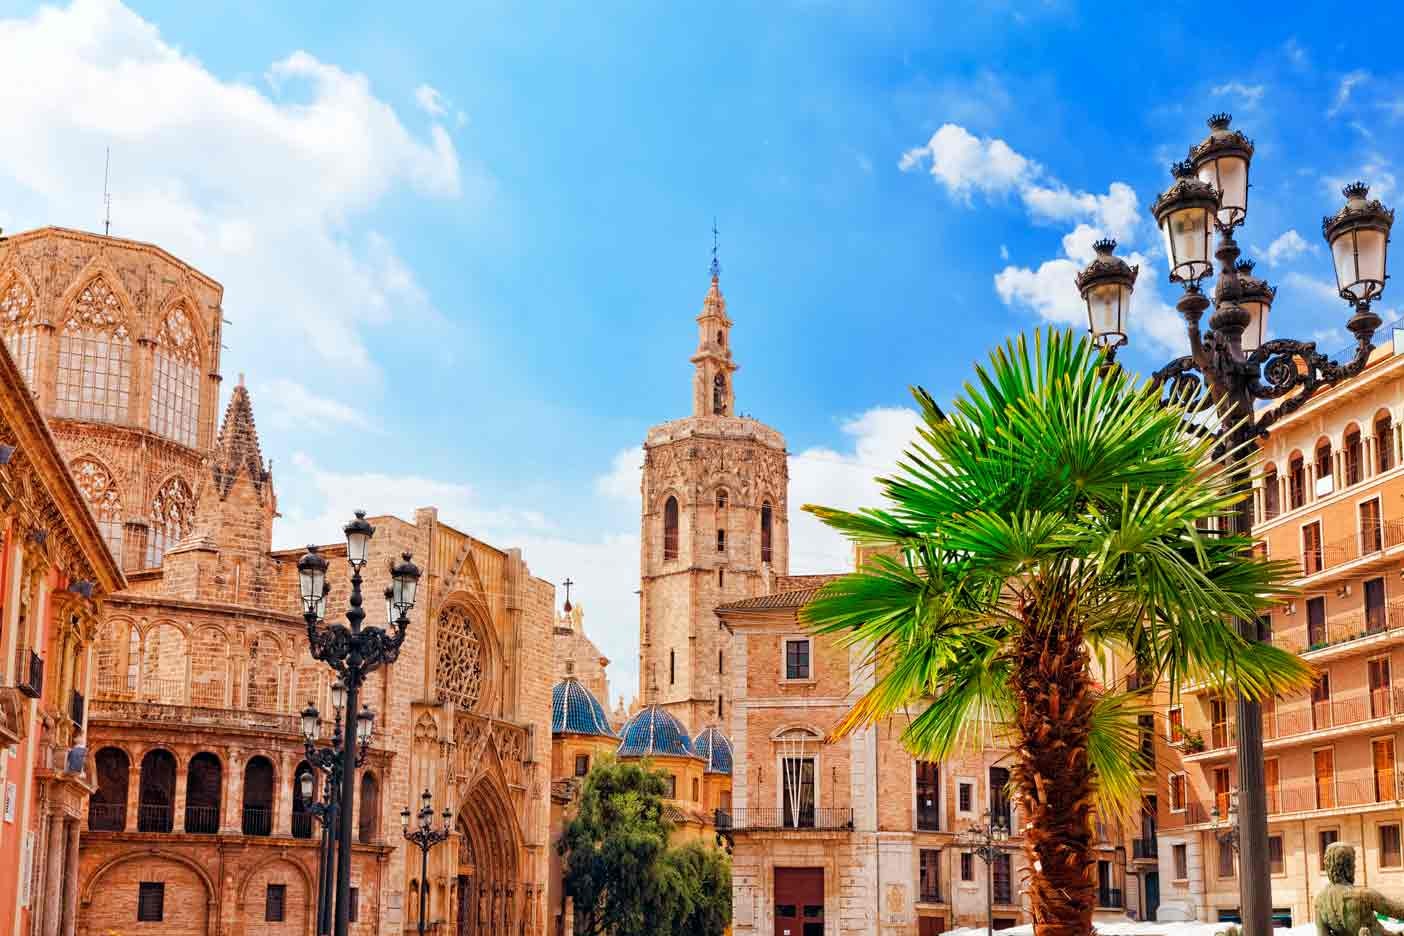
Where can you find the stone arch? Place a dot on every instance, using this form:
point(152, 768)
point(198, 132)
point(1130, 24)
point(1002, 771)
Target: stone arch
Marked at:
point(204, 793)
point(107, 806)
point(260, 794)
point(103, 493)
point(157, 789)
point(253, 922)
point(263, 678)
point(147, 855)
point(113, 656)
point(172, 514)
point(368, 808)
point(209, 667)
point(469, 657)
point(96, 348)
point(672, 528)
point(491, 865)
point(174, 405)
point(165, 661)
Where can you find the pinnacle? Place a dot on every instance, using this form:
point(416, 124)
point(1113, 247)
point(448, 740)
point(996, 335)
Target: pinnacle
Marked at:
point(237, 449)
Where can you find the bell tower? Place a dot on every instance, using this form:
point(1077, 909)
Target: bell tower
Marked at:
point(714, 528)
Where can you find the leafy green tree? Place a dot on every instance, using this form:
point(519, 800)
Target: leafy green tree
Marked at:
point(620, 871)
point(1053, 515)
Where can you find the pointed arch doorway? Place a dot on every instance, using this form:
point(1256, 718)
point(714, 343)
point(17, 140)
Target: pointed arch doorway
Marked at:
point(491, 896)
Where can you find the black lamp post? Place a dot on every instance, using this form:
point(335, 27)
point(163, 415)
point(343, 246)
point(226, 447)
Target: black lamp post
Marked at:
point(426, 837)
point(353, 652)
point(329, 761)
point(1237, 364)
point(1227, 835)
point(987, 842)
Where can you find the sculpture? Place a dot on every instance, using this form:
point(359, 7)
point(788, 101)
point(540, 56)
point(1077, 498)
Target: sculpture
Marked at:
point(1342, 909)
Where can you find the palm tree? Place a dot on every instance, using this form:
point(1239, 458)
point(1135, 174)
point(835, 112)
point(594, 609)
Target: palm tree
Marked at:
point(1054, 515)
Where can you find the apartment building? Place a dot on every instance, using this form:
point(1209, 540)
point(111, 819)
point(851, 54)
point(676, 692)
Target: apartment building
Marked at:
point(1330, 498)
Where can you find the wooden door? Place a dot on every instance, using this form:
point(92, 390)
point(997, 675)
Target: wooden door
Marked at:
point(1272, 783)
point(1378, 670)
point(1324, 763)
point(1321, 702)
point(1382, 750)
point(799, 902)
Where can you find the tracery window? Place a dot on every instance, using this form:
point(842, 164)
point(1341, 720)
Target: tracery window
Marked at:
point(171, 514)
point(21, 335)
point(101, 492)
point(459, 673)
point(95, 357)
point(175, 383)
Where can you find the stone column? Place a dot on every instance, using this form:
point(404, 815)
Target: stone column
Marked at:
point(129, 821)
point(70, 880)
point(283, 796)
point(182, 783)
point(232, 821)
point(53, 876)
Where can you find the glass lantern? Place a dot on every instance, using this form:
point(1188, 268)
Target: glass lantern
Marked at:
point(1185, 214)
point(1358, 236)
point(1222, 161)
point(1106, 285)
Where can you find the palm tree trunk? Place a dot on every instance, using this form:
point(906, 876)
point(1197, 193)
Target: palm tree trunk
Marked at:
point(1052, 773)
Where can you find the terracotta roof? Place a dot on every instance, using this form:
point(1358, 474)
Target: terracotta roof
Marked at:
point(793, 582)
point(779, 601)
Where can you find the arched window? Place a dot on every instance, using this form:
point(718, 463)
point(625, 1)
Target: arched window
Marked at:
point(157, 796)
point(175, 382)
point(1296, 481)
point(766, 522)
point(133, 659)
point(301, 815)
point(203, 783)
point(101, 493)
point(1324, 463)
point(107, 807)
point(670, 528)
point(369, 807)
point(459, 673)
point(1271, 503)
point(1354, 462)
point(261, 687)
point(258, 797)
point(1384, 441)
point(95, 357)
point(163, 663)
point(21, 335)
point(171, 514)
point(719, 395)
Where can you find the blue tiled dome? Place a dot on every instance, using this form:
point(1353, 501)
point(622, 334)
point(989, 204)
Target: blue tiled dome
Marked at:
point(652, 732)
point(713, 747)
point(575, 711)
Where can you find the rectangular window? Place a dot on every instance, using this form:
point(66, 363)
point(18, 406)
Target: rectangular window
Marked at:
point(1324, 840)
point(1324, 764)
point(1273, 785)
point(671, 787)
point(1223, 791)
point(1177, 725)
point(930, 884)
point(1146, 723)
point(719, 706)
point(721, 578)
point(1176, 787)
point(928, 796)
point(1311, 548)
point(1375, 620)
point(151, 901)
point(966, 800)
point(582, 764)
point(1181, 855)
point(797, 659)
point(967, 866)
point(353, 904)
point(672, 666)
point(798, 792)
point(999, 796)
point(1382, 758)
point(273, 903)
point(1390, 856)
point(1371, 529)
point(1218, 723)
point(1003, 869)
point(721, 541)
point(1321, 701)
point(696, 790)
point(720, 661)
point(1316, 622)
point(1276, 862)
point(1225, 860)
point(1378, 674)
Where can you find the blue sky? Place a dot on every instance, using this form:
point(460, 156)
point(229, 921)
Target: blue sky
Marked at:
point(463, 245)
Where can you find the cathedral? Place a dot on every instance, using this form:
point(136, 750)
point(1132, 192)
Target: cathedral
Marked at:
point(194, 821)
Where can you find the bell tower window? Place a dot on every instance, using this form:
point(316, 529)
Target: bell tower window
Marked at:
point(766, 551)
point(670, 529)
point(719, 395)
point(95, 357)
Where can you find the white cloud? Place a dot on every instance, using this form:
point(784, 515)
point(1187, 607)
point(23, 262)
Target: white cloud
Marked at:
point(1248, 94)
point(624, 478)
point(1317, 289)
point(264, 185)
point(430, 100)
point(1288, 246)
point(1003, 251)
point(288, 405)
point(1349, 82)
point(1376, 170)
point(1050, 291)
point(1295, 53)
point(964, 163)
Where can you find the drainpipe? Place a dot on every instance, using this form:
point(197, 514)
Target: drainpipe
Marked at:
point(1306, 871)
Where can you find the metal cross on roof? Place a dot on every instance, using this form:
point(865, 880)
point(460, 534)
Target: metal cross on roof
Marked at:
point(716, 264)
point(567, 583)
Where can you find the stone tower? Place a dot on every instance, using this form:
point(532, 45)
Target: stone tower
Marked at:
point(715, 509)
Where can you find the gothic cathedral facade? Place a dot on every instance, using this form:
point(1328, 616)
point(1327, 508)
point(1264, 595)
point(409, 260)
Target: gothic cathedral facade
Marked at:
point(714, 529)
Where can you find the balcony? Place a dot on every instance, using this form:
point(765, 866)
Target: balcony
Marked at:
point(302, 824)
point(929, 894)
point(258, 820)
point(1109, 898)
point(107, 817)
point(1375, 541)
point(1144, 849)
point(77, 706)
point(153, 818)
point(202, 820)
point(160, 704)
point(781, 820)
point(29, 672)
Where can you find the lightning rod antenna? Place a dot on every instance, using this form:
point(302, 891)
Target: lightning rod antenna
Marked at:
point(107, 193)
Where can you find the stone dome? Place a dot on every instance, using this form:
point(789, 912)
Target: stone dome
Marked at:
point(714, 748)
point(654, 732)
point(574, 710)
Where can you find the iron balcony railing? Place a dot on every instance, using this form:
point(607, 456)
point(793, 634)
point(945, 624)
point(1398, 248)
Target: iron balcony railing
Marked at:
point(819, 819)
point(258, 820)
point(202, 820)
point(930, 894)
point(153, 818)
point(1144, 848)
point(29, 672)
point(301, 824)
point(107, 817)
point(1110, 897)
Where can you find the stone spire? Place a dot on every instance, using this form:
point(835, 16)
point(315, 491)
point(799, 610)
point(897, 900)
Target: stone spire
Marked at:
point(237, 450)
point(712, 391)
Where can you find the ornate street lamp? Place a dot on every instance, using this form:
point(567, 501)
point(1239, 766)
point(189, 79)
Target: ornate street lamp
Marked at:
point(426, 837)
point(353, 652)
point(987, 842)
point(1236, 362)
point(1229, 835)
point(328, 760)
point(1106, 287)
